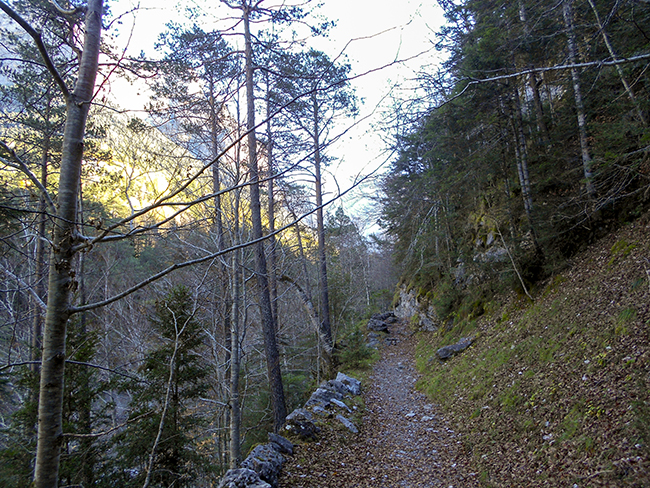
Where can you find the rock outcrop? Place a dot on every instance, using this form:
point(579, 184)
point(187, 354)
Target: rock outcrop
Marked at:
point(261, 467)
point(416, 310)
point(380, 322)
point(266, 461)
point(242, 478)
point(327, 401)
point(301, 424)
point(353, 385)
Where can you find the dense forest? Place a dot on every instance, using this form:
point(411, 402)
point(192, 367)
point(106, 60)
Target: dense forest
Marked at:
point(176, 279)
point(182, 269)
point(532, 141)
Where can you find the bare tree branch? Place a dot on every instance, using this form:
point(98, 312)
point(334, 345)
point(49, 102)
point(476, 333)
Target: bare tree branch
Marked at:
point(106, 432)
point(80, 363)
point(104, 368)
point(20, 165)
point(209, 257)
point(30, 289)
point(589, 64)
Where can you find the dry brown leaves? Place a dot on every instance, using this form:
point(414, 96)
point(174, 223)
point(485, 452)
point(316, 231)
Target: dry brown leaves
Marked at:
point(570, 407)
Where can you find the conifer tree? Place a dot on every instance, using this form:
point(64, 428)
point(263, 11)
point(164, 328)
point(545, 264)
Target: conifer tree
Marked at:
point(79, 452)
point(158, 447)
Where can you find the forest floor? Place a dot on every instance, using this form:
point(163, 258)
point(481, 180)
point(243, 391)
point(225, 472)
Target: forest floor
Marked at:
point(554, 391)
point(404, 440)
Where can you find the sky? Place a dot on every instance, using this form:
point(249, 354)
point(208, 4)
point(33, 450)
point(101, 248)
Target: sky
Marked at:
point(373, 34)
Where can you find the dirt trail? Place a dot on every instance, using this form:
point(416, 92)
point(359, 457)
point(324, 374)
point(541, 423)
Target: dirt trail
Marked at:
point(404, 440)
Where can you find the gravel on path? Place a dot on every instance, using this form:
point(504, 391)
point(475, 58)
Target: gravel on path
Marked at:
point(404, 440)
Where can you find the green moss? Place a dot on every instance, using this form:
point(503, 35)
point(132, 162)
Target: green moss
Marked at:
point(620, 250)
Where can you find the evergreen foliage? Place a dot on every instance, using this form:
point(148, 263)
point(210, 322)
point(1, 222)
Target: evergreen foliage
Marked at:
point(495, 163)
point(82, 414)
point(18, 440)
point(164, 422)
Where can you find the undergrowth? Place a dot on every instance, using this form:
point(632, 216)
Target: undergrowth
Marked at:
point(353, 355)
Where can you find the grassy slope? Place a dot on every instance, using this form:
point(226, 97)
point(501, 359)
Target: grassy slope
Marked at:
point(556, 393)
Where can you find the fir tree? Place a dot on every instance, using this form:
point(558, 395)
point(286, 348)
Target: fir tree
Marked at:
point(159, 442)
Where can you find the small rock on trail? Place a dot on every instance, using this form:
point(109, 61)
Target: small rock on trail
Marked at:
point(404, 440)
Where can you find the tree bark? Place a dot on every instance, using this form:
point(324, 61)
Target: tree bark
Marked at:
point(61, 279)
point(266, 311)
point(567, 13)
point(521, 152)
point(521, 158)
point(325, 324)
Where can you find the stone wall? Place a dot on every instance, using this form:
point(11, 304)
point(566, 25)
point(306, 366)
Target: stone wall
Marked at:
point(330, 401)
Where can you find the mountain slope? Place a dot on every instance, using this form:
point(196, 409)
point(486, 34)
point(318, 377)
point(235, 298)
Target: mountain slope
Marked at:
point(555, 392)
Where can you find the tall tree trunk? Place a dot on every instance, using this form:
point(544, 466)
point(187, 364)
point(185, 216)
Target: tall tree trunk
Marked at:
point(235, 360)
point(61, 280)
point(537, 101)
point(521, 157)
point(273, 282)
point(567, 13)
point(266, 311)
point(522, 170)
point(326, 326)
point(235, 355)
point(539, 110)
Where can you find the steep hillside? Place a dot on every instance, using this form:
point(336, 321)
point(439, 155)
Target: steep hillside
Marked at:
point(555, 392)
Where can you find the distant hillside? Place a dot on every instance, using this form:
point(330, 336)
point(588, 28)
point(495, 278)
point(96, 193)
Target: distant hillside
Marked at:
point(555, 392)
